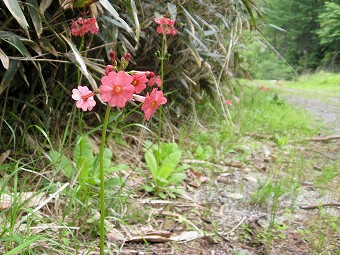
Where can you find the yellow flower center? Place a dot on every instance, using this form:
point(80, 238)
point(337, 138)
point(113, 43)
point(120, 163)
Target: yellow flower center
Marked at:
point(153, 104)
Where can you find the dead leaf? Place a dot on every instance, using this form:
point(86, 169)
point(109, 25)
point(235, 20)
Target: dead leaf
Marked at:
point(5, 201)
point(114, 236)
point(33, 199)
point(4, 156)
point(152, 237)
point(235, 196)
point(187, 236)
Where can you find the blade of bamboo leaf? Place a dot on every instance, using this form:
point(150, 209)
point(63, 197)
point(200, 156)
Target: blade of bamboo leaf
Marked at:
point(113, 21)
point(197, 40)
point(35, 16)
point(135, 18)
point(44, 4)
point(191, 18)
point(172, 8)
point(14, 8)
point(79, 60)
point(83, 3)
point(4, 59)
point(47, 46)
point(194, 52)
point(106, 4)
point(9, 74)
point(15, 41)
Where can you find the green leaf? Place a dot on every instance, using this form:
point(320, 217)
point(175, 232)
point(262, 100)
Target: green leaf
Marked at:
point(80, 4)
point(83, 150)
point(24, 245)
point(14, 7)
point(151, 163)
point(149, 188)
point(172, 10)
point(15, 41)
point(107, 157)
point(114, 181)
point(169, 164)
point(35, 16)
point(47, 46)
point(117, 168)
point(135, 18)
point(61, 162)
point(9, 74)
point(176, 178)
point(107, 5)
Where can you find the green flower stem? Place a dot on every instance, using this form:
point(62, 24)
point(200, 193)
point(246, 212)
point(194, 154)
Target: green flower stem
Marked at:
point(102, 186)
point(162, 57)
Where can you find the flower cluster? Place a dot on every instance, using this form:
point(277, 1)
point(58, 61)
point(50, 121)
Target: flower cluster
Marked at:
point(82, 26)
point(166, 26)
point(119, 87)
point(261, 87)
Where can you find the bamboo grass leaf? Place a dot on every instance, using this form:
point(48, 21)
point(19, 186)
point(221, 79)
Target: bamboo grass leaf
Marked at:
point(44, 4)
point(172, 8)
point(9, 74)
point(4, 59)
point(15, 41)
point(135, 18)
point(77, 58)
point(106, 5)
point(14, 7)
point(47, 46)
point(35, 16)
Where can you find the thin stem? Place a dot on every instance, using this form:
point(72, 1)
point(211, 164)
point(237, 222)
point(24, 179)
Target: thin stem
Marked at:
point(162, 57)
point(102, 186)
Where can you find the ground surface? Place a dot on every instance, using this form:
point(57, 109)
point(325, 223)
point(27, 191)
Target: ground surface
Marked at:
point(275, 200)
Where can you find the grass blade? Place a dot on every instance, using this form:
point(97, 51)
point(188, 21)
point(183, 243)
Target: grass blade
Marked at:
point(24, 245)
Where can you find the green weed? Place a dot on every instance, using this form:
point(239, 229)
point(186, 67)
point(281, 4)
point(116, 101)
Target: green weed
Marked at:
point(163, 163)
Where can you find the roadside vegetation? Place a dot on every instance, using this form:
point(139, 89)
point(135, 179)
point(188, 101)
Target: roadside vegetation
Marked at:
point(190, 159)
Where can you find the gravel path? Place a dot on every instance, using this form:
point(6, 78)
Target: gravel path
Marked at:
point(327, 111)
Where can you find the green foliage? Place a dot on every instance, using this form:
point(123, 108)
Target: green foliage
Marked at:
point(86, 163)
point(265, 64)
point(292, 27)
point(268, 113)
point(329, 32)
point(163, 163)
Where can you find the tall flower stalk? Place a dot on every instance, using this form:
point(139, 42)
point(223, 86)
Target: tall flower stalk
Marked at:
point(116, 89)
point(165, 27)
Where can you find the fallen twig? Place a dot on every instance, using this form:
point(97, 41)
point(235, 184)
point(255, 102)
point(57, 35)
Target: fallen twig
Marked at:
point(310, 207)
point(325, 138)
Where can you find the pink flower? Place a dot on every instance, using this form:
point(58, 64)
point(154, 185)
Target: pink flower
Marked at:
point(116, 88)
point(156, 80)
point(166, 26)
point(139, 98)
point(83, 26)
point(108, 69)
point(84, 98)
point(228, 102)
point(152, 102)
point(138, 82)
point(264, 88)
